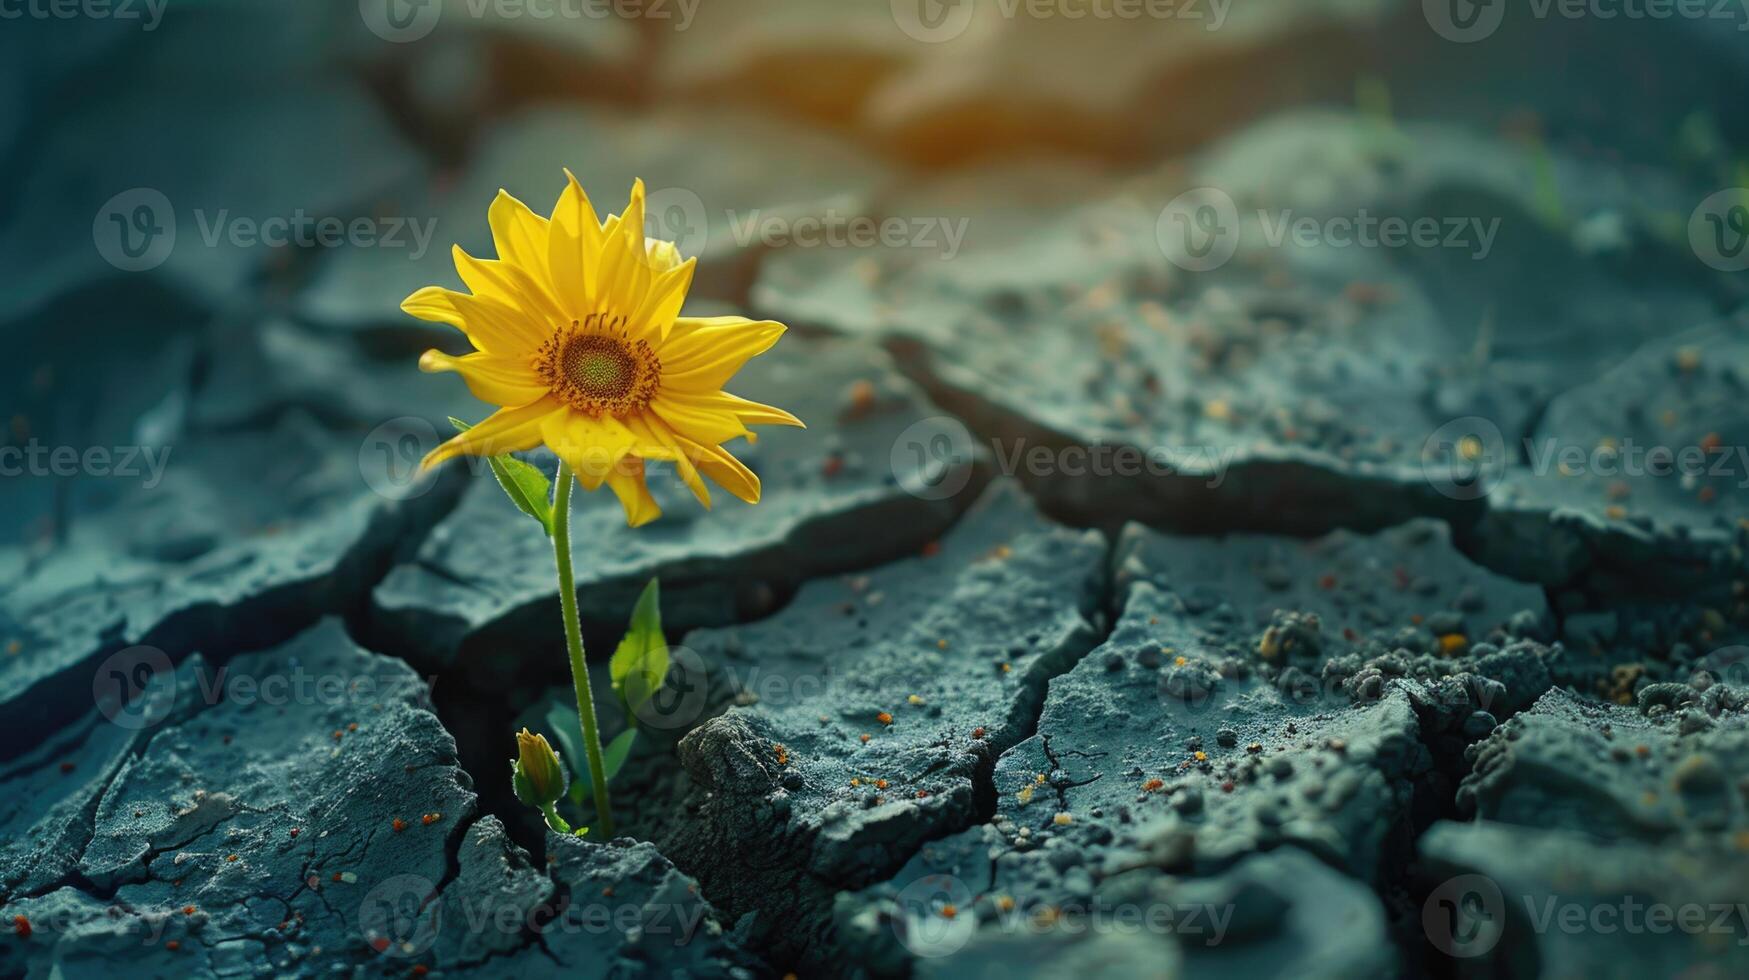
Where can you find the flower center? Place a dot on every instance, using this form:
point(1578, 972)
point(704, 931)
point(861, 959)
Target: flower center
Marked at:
point(595, 369)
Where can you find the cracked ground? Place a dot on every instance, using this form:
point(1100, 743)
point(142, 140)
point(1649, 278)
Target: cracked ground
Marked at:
point(1178, 576)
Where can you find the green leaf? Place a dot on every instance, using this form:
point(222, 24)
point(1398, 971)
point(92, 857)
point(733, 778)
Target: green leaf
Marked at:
point(562, 720)
point(641, 662)
point(528, 488)
point(613, 759)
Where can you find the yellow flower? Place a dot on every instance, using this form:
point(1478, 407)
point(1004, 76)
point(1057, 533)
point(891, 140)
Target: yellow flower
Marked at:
point(578, 338)
point(537, 775)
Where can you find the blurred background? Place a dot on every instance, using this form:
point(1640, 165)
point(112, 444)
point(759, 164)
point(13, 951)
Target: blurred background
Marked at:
point(1343, 262)
point(190, 178)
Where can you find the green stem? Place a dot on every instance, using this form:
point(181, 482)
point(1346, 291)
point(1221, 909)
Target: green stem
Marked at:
point(554, 820)
point(574, 645)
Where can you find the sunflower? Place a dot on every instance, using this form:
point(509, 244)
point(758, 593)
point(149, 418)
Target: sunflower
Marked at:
point(579, 340)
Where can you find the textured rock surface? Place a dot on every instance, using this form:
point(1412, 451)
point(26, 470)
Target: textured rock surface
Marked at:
point(301, 811)
point(207, 179)
point(1298, 385)
point(1228, 713)
point(821, 495)
point(1639, 476)
point(1506, 899)
point(938, 84)
point(1271, 908)
point(1391, 683)
point(1616, 772)
point(249, 535)
point(876, 704)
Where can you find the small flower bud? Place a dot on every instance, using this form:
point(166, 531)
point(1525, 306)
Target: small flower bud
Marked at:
point(537, 775)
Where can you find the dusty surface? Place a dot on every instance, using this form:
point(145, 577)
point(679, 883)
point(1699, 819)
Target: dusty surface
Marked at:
point(1331, 609)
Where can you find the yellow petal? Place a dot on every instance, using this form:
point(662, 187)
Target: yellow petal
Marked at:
point(750, 412)
point(722, 466)
point(492, 378)
point(590, 446)
point(574, 245)
point(702, 354)
point(436, 304)
point(701, 423)
point(505, 284)
point(507, 430)
point(520, 236)
point(662, 305)
point(657, 441)
point(663, 255)
point(489, 325)
point(628, 484)
point(625, 269)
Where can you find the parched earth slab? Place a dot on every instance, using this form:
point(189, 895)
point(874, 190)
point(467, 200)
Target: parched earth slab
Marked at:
point(951, 84)
point(1297, 386)
point(246, 536)
point(1268, 911)
point(1505, 900)
point(301, 811)
point(194, 199)
point(1643, 472)
point(874, 705)
point(845, 493)
point(1673, 766)
point(1257, 695)
point(718, 206)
